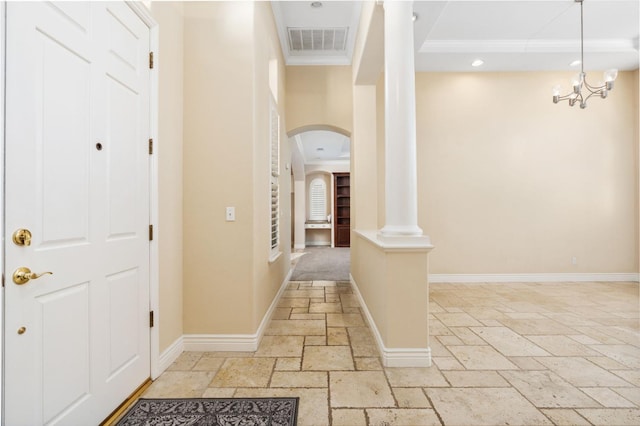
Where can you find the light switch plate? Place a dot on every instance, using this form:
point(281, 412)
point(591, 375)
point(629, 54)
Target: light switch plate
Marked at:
point(231, 214)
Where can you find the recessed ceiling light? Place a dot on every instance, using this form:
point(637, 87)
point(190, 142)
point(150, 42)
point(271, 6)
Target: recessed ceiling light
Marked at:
point(477, 63)
point(414, 17)
point(316, 4)
point(575, 63)
point(320, 149)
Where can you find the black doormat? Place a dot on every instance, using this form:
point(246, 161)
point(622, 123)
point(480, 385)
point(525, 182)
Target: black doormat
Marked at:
point(212, 412)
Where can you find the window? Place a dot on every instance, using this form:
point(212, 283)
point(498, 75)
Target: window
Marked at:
point(274, 178)
point(318, 200)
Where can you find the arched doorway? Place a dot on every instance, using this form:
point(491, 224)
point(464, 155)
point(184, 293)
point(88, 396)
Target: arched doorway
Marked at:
point(320, 157)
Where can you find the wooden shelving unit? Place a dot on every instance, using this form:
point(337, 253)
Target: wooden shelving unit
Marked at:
point(342, 209)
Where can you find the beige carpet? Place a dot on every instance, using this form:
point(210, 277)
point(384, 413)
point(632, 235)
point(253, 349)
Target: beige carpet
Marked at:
point(323, 263)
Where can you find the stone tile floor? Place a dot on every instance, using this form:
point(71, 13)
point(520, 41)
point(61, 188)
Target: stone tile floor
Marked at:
point(516, 354)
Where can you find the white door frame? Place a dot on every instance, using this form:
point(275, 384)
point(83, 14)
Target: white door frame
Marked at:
point(154, 292)
point(145, 15)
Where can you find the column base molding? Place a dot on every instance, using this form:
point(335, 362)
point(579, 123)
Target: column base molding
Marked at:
point(392, 357)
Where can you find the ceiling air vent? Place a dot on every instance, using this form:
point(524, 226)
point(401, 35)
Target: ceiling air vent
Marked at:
point(317, 39)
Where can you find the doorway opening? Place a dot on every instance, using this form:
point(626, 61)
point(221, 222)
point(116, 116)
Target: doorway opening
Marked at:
point(321, 163)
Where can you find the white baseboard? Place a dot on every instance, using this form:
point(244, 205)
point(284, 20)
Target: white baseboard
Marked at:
point(528, 278)
point(168, 356)
point(393, 357)
point(235, 342)
point(299, 246)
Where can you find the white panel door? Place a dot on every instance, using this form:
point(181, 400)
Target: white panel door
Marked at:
point(77, 177)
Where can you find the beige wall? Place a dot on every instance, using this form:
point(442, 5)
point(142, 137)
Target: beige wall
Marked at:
point(511, 183)
point(319, 95)
point(228, 281)
point(268, 277)
point(169, 152)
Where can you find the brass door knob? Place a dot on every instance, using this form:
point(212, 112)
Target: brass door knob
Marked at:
point(22, 275)
point(22, 237)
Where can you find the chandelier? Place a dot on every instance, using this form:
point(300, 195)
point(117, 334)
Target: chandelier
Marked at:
point(582, 90)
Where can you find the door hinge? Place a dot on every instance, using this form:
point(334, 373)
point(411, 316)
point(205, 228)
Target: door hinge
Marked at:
point(150, 232)
point(150, 60)
point(150, 146)
point(150, 319)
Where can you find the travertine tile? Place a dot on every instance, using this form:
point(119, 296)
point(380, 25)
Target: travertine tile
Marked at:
point(280, 346)
point(447, 363)
point(296, 328)
point(580, 372)
point(327, 358)
point(303, 293)
point(359, 389)
point(293, 303)
point(360, 336)
point(332, 298)
point(313, 409)
point(411, 398)
point(467, 336)
point(185, 361)
point(475, 379)
point(324, 283)
point(299, 379)
point(565, 417)
point(244, 372)
point(337, 336)
point(348, 417)
point(526, 363)
point(281, 313)
point(484, 406)
point(438, 350)
point(437, 328)
point(546, 389)
point(481, 358)
point(349, 301)
point(612, 416)
point(562, 346)
point(630, 394)
point(219, 393)
point(179, 384)
point(585, 340)
point(405, 417)
point(404, 377)
point(461, 319)
point(450, 340)
point(606, 363)
point(594, 326)
point(315, 341)
point(207, 363)
point(345, 320)
point(306, 316)
point(537, 326)
point(625, 354)
point(365, 350)
point(288, 364)
point(507, 342)
point(608, 398)
point(524, 315)
point(323, 308)
point(364, 364)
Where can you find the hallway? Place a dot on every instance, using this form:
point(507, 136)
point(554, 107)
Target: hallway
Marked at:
point(528, 354)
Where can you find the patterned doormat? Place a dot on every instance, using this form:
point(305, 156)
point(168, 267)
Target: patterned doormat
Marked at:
point(213, 412)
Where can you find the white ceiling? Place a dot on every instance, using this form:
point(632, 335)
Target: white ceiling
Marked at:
point(319, 147)
point(509, 35)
